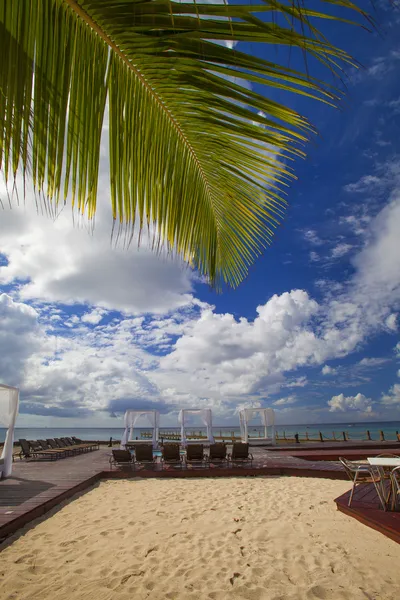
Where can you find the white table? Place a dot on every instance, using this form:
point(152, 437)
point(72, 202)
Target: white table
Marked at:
point(381, 463)
point(384, 462)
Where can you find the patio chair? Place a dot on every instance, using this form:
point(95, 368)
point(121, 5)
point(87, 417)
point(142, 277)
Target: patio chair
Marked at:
point(171, 455)
point(218, 453)
point(395, 481)
point(240, 454)
point(121, 458)
point(359, 474)
point(195, 455)
point(144, 455)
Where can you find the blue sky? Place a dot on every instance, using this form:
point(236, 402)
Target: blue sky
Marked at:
point(87, 330)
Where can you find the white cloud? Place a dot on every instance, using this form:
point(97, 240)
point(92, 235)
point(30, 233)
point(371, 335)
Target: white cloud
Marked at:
point(285, 401)
point(312, 237)
point(327, 370)
point(393, 397)
point(364, 184)
point(391, 322)
point(357, 403)
point(372, 362)
point(94, 317)
point(340, 250)
point(61, 263)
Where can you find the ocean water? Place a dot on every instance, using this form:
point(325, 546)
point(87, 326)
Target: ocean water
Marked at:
point(355, 431)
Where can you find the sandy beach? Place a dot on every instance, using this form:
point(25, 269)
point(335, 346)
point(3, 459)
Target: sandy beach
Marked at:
point(264, 538)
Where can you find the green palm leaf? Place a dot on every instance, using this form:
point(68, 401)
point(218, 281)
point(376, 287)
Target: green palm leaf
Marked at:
point(193, 151)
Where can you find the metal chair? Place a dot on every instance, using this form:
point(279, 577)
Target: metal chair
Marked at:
point(395, 482)
point(363, 474)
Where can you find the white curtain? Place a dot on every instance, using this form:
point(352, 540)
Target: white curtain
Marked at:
point(9, 403)
point(267, 419)
point(205, 415)
point(132, 417)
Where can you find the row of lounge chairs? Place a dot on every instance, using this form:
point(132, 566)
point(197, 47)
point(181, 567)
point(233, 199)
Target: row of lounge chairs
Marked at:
point(171, 455)
point(53, 449)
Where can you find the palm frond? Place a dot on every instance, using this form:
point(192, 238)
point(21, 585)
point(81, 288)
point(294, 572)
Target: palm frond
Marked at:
point(193, 149)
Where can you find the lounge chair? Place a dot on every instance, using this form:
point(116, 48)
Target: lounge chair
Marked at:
point(240, 454)
point(171, 455)
point(121, 458)
point(46, 446)
point(195, 455)
point(144, 455)
point(72, 450)
point(27, 451)
point(68, 451)
point(79, 448)
point(359, 474)
point(89, 445)
point(218, 453)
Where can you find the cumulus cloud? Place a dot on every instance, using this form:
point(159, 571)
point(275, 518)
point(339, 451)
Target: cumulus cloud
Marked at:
point(392, 398)
point(327, 370)
point(285, 401)
point(357, 403)
point(59, 262)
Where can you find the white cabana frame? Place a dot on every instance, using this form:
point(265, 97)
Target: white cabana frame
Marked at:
point(267, 419)
point(9, 404)
point(131, 418)
point(205, 415)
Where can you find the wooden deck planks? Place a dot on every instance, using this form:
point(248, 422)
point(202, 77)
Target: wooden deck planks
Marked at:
point(366, 508)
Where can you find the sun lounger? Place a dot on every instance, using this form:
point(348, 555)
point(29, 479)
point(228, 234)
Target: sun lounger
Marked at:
point(360, 473)
point(27, 451)
point(195, 455)
point(46, 446)
point(240, 454)
point(171, 455)
point(121, 458)
point(218, 453)
point(144, 455)
point(72, 450)
point(89, 445)
point(68, 451)
point(79, 448)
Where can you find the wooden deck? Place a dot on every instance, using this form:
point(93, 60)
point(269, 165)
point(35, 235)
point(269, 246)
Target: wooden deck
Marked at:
point(334, 453)
point(366, 508)
point(38, 486)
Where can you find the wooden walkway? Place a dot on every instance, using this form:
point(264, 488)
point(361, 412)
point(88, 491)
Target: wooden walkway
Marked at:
point(366, 508)
point(38, 486)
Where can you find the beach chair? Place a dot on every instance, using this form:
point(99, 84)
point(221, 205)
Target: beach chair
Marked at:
point(240, 454)
point(361, 474)
point(46, 446)
point(89, 445)
point(195, 455)
point(121, 458)
point(27, 451)
point(218, 453)
point(395, 482)
point(144, 455)
point(54, 446)
point(72, 450)
point(171, 455)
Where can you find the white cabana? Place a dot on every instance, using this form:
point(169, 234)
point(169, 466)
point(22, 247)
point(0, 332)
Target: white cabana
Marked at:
point(9, 402)
point(267, 419)
point(132, 417)
point(205, 415)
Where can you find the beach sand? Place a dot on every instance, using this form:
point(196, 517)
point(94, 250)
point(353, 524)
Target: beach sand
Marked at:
point(250, 538)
